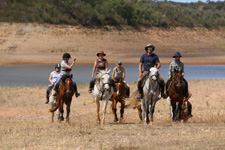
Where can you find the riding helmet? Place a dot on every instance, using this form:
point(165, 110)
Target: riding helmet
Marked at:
point(151, 46)
point(119, 62)
point(177, 54)
point(57, 66)
point(66, 55)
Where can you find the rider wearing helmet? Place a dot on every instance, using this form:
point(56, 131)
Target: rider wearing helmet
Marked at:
point(178, 65)
point(119, 73)
point(54, 75)
point(148, 60)
point(65, 70)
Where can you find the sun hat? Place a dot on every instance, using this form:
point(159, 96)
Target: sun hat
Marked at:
point(177, 54)
point(150, 46)
point(101, 52)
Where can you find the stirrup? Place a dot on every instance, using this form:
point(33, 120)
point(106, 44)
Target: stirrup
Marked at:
point(77, 94)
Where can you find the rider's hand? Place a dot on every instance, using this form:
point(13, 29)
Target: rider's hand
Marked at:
point(92, 76)
point(53, 83)
point(169, 78)
point(140, 75)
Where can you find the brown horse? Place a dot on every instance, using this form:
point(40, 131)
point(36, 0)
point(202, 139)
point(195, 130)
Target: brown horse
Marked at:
point(176, 93)
point(65, 94)
point(119, 96)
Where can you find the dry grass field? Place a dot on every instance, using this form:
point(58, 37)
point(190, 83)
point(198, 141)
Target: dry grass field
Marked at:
point(25, 123)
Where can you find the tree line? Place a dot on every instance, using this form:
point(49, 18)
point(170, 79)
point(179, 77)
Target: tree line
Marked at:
point(97, 13)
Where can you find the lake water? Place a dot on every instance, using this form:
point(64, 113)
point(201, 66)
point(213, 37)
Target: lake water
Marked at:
point(37, 75)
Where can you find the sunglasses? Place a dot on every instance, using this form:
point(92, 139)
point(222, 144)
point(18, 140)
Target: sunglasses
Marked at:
point(149, 48)
point(119, 64)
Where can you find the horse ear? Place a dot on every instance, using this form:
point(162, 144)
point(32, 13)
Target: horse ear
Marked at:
point(71, 75)
point(108, 71)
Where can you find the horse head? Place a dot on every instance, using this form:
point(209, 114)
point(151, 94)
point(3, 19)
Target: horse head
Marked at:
point(119, 87)
point(153, 75)
point(178, 78)
point(69, 90)
point(105, 79)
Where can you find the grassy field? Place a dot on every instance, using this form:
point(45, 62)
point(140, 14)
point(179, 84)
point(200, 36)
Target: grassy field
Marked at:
point(25, 122)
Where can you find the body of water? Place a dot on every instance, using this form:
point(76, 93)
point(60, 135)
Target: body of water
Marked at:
point(37, 75)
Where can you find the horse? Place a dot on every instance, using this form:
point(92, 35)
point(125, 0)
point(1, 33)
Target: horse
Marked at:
point(102, 91)
point(119, 96)
point(65, 94)
point(151, 91)
point(176, 95)
point(184, 109)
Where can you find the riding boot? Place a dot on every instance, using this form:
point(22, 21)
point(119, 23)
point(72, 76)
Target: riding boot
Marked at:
point(75, 90)
point(167, 86)
point(91, 86)
point(47, 99)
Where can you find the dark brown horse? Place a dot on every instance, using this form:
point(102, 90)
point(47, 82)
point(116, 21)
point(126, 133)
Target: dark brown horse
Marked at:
point(65, 94)
point(176, 93)
point(119, 96)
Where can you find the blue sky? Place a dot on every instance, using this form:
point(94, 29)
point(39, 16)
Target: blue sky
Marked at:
point(189, 1)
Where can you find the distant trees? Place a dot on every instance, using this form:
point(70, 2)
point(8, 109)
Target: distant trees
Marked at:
point(115, 12)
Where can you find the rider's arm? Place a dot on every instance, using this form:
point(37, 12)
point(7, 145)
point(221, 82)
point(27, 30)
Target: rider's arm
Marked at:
point(106, 65)
point(70, 67)
point(158, 65)
point(140, 69)
point(93, 71)
point(50, 79)
point(113, 73)
point(123, 73)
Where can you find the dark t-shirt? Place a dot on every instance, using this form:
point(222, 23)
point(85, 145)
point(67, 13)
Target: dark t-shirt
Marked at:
point(149, 60)
point(100, 65)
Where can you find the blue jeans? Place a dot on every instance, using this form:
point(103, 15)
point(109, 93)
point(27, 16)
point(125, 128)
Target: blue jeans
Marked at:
point(50, 86)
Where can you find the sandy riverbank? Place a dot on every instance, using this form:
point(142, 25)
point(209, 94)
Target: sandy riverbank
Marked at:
point(45, 44)
point(25, 122)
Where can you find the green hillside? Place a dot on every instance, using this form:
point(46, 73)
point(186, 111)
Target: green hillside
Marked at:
point(97, 13)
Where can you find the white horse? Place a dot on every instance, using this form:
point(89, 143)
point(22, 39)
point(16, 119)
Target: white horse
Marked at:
point(53, 102)
point(151, 92)
point(102, 91)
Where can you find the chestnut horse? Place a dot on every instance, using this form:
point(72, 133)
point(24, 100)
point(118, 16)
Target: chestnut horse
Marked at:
point(119, 96)
point(65, 94)
point(176, 93)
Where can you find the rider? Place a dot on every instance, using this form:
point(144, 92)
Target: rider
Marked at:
point(99, 64)
point(119, 73)
point(149, 59)
point(179, 66)
point(54, 75)
point(65, 70)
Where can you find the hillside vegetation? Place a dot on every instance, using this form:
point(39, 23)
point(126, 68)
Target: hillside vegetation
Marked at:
point(97, 13)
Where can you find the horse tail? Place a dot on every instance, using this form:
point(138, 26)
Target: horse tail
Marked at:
point(53, 109)
point(132, 101)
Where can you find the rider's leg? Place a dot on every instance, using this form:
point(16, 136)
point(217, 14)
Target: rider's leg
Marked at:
point(162, 85)
point(57, 84)
point(75, 88)
point(91, 86)
point(140, 86)
point(50, 86)
point(113, 85)
point(167, 86)
point(186, 88)
point(127, 89)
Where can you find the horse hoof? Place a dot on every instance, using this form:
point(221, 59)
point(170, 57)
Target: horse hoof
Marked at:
point(121, 120)
point(150, 123)
point(116, 119)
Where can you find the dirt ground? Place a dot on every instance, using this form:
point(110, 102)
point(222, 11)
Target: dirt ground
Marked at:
point(25, 122)
point(45, 44)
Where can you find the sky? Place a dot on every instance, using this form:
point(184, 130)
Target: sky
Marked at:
point(189, 1)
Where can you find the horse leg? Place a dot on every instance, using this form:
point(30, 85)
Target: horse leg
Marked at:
point(177, 111)
point(147, 110)
point(98, 106)
point(114, 109)
point(60, 107)
point(152, 110)
point(104, 111)
point(68, 110)
point(122, 110)
point(174, 112)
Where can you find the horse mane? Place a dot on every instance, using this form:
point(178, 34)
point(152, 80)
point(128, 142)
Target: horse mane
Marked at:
point(99, 76)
